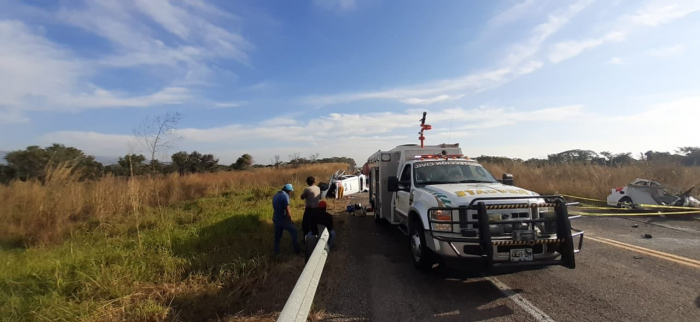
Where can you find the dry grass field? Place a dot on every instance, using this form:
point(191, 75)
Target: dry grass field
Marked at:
point(164, 249)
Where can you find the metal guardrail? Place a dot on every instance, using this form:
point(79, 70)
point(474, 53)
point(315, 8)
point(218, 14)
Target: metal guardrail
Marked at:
point(299, 303)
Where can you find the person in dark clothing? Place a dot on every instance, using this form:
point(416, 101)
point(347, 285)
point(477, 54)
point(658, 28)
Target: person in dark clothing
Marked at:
point(325, 219)
point(331, 191)
point(282, 218)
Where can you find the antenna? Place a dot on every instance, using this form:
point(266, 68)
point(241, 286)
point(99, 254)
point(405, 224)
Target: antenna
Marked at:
point(423, 127)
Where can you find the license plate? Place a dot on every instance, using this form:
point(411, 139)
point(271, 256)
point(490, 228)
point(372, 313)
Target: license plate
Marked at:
point(521, 255)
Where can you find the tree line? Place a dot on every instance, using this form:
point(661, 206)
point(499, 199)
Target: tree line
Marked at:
point(36, 162)
point(686, 156)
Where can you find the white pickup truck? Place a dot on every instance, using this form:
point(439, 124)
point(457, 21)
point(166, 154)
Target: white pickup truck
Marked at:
point(453, 208)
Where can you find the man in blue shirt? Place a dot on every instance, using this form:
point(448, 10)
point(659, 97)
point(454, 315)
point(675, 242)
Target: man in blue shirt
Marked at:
point(282, 218)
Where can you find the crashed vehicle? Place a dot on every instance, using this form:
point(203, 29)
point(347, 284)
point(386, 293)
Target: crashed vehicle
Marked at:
point(649, 192)
point(351, 183)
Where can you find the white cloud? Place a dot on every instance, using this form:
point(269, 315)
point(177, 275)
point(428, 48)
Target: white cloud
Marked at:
point(37, 74)
point(484, 130)
point(12, 117)
point(663, 12)
point(93, 143)
point(135, 41)
point(420, 101)
point(569, 49)
point(334, 134)
point(227, 104)
point(667, 51)
point(516, 64)
point(527, 49)
point(513, 13)
point(653, 14)
point(614, 61)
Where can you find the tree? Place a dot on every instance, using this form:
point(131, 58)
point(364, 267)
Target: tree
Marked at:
point(313, 158)
point(209, 163)
point(608, 156)
point(244, 162)
point(691, 155)
point(180, 162)
point(7, 173)
point(133, 164)
point(277, 161)
point(158, 134)
point(572, 156)
point(194, 162)
point(294, 159)
point(34, 162)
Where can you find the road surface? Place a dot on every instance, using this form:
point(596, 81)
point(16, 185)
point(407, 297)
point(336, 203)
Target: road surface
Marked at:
point(370, 277)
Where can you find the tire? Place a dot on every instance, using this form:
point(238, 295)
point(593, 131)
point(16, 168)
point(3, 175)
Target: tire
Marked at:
point(422, 256)
point(625, 202)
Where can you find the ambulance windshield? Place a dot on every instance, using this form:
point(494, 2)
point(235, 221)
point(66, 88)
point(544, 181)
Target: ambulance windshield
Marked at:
point(441, 172)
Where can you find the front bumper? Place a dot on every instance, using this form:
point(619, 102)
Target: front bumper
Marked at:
point(543, 250)
point(468, 243)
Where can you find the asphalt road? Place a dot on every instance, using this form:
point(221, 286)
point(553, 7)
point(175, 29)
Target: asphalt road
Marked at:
point(370, 277)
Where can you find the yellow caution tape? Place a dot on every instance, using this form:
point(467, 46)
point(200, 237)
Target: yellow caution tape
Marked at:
point(639, 205)
point(582, 198)
point(591, 214)
point(607, 208)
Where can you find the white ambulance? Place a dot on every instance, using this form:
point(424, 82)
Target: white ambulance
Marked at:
point(453, 208)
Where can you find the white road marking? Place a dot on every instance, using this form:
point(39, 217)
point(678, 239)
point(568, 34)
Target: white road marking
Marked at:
point(520, 301)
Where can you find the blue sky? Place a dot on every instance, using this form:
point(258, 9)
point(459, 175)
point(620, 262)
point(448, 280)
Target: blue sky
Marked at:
point(349, 77)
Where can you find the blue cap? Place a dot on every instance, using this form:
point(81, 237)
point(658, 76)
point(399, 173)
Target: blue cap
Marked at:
point(288, 187)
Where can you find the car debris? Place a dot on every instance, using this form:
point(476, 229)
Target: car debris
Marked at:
point(647, 236)
point(635, 226)
point(649, 192)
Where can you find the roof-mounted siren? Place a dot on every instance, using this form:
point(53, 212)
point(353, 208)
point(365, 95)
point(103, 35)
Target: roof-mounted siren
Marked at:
point(423, 127)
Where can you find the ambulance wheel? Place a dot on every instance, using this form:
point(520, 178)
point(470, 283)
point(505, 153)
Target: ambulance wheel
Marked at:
point(421, 254)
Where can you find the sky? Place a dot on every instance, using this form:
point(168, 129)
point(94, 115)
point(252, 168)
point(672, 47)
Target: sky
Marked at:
point(521, 78)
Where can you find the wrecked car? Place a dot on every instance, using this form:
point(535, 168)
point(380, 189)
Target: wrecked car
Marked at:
point(649, 192)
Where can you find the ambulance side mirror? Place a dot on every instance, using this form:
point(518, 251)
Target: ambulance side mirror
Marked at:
point(507, 179)
point(393, 185)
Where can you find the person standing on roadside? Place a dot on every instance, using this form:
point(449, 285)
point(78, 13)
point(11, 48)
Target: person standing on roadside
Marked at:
point(312, 195)
point(282, 218)
point(325, 219)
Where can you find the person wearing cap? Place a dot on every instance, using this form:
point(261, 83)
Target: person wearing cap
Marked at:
point(325, 219)
point(282, 218)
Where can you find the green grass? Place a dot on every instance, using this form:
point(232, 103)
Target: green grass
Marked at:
point(198, 259)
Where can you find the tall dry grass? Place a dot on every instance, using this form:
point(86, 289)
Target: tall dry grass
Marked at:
point(33, 213)
point(593, 181)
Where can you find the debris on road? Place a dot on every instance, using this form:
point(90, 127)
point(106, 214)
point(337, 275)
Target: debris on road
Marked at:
point(637, 257)
point(635, 226)
point(646, 236)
